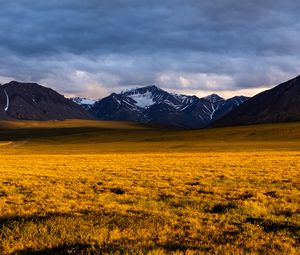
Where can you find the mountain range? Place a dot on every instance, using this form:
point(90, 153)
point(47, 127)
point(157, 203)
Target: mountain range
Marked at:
point(152, 105)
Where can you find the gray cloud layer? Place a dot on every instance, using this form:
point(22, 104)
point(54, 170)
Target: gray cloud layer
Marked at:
point(94, 46)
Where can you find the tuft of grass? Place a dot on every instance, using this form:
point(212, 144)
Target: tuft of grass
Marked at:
point(118, 191)
point(222, 207)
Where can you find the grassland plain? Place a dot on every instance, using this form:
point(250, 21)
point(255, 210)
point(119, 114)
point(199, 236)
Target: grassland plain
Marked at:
point(78, 187)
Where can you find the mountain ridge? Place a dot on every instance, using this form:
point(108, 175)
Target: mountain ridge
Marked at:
point(153, 105)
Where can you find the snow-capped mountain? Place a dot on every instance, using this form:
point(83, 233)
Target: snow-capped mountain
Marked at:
point(210, 108)
point(84, 102)
point(146, 96)
point(213, 98)
point(153, 105)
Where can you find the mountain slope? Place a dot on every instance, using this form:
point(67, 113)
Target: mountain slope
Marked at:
point(153, 105)
point(280, 104)
point(117, 107)
point(30, 101)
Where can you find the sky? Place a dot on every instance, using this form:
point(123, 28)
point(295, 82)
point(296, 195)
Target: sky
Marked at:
point(95, 47)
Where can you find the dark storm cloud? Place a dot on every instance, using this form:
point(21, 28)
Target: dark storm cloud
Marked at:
point(77, 46)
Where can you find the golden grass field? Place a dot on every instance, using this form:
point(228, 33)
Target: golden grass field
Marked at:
point(88, 187)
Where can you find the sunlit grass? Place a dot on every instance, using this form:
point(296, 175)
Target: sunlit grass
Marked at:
point(237, 196)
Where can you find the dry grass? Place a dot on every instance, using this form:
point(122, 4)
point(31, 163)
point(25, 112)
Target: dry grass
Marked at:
point(133, 190)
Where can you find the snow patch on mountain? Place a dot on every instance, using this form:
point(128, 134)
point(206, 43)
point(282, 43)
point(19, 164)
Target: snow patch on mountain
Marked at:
point(83, 100)
point(7, 101)
point(143, 100)
point(87, 101)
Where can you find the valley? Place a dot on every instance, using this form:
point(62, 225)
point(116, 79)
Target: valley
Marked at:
point(149, 127)
point(97, 187)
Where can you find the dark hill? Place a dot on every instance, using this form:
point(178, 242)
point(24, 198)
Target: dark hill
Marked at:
point(280, 104)
point(30, 101)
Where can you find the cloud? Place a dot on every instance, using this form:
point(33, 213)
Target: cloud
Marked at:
point(96, 47)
